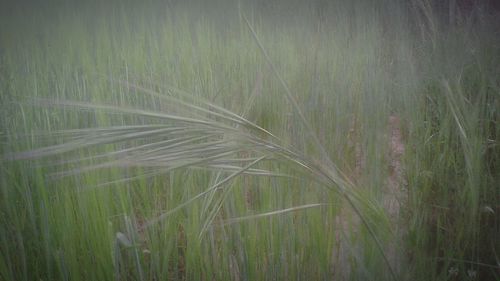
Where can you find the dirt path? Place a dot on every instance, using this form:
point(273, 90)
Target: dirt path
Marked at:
point(393, 194)
point(394, 190)
point(396, 179)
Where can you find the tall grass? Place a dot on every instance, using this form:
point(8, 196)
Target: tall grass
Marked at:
point(248, 141)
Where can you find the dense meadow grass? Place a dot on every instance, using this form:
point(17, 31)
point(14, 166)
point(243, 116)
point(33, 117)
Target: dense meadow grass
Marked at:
point(249, 140)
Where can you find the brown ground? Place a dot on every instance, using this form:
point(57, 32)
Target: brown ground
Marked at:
point(347, 221)
point(393, 195)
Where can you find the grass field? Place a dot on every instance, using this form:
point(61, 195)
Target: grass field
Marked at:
point(249, 140)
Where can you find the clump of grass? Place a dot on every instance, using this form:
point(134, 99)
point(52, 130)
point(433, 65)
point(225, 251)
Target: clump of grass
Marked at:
point(450, 167)
point(249, 170)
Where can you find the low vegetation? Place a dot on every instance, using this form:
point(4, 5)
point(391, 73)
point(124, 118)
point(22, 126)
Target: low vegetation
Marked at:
point(249, 140)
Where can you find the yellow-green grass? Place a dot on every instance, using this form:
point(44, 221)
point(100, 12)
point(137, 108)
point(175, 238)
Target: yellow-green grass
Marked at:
point(212, 161)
